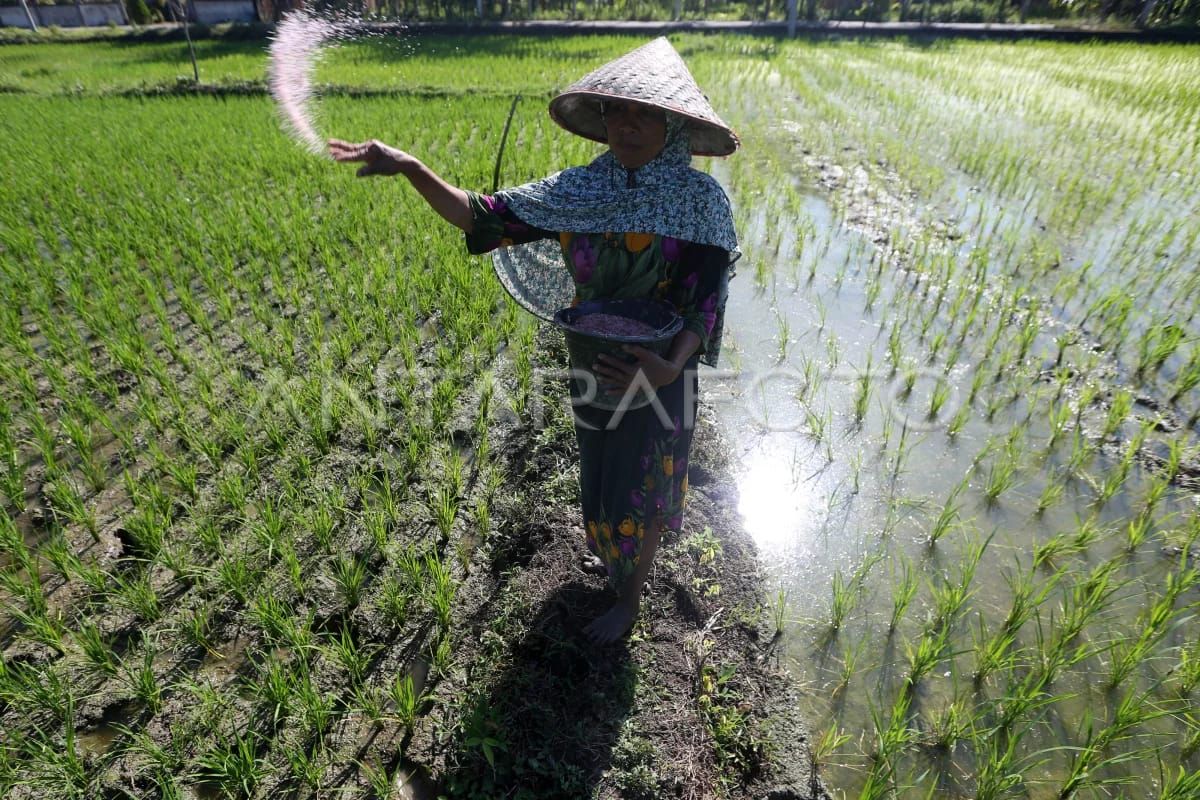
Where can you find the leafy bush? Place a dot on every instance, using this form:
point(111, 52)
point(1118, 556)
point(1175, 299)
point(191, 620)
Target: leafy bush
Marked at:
point(139, 12)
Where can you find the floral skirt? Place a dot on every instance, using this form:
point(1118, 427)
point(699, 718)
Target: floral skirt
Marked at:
point(633, 468)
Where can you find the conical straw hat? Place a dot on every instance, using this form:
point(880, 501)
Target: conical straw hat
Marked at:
point(653, 74)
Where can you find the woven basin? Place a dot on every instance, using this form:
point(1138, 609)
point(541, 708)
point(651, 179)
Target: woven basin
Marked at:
point(583, 347)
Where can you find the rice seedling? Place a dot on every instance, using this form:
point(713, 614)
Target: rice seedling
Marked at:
point(1004, 469)
point(831, 739)
point(1086, 769)
point(903, 594)
point(850, 656)
point(142, 680)
point(383, 784)
point(68, 506)
point(272, 686)
point(309, 766)
point(1188, 668)
point(439, 589)
point(862, 396)
point(949, 514)
point(1019, 270)
point(26, 589)
point(1181, 786)
point(232, 766)
point(196, 629)
point(96, 650)
point(317, 710)
point(352, 657)
point(349, 573)
point(321, 522)
point(163, 763)
point(237, 575)
point(138, 595)
point(42, 626)
point(12, 545)
point(406, 700)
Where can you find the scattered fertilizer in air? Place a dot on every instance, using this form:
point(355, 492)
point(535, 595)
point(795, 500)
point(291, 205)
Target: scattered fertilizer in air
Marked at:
point(299, 42)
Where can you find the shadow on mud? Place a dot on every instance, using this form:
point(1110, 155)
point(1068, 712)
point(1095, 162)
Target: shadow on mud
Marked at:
point(552, 716)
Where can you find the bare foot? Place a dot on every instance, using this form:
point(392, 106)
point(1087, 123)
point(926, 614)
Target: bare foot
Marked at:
point(592, 565)
point(615, 623)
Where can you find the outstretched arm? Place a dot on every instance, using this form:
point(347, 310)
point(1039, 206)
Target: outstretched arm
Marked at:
point(377, 158)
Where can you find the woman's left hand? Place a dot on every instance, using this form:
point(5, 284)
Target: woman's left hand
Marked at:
point(613, 373)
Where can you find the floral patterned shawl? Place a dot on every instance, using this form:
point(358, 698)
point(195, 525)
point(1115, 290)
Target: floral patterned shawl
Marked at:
point(665, 197)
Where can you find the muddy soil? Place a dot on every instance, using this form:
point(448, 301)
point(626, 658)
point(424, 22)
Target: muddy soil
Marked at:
point(692, 704)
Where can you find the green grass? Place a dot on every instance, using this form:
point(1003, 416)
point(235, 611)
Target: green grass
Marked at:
point(193, 308)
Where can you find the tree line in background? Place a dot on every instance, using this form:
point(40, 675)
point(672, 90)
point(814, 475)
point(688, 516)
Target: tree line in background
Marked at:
point(1148, 13)
point(1143, 13)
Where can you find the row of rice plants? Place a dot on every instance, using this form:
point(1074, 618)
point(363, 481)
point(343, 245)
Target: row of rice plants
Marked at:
point(976, 264)
point(234, 511)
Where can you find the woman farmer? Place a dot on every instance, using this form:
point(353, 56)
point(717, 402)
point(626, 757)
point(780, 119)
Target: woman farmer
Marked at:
point(638, 222)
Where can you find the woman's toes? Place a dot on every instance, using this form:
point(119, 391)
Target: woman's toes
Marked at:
point(592, 565)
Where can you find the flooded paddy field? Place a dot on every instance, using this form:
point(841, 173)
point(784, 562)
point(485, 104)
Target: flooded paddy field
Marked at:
point(288, 502)
point(966, 405)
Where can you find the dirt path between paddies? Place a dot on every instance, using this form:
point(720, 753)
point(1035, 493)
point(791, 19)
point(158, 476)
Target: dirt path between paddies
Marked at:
point(691, 705)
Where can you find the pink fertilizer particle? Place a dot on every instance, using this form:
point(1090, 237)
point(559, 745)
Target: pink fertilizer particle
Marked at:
point(299, 41)
point(612, 325)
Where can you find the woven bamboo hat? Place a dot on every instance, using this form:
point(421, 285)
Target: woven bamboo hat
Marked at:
point(653, 74)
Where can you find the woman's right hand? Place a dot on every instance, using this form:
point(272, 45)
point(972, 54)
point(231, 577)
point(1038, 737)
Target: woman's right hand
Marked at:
point(377, 157)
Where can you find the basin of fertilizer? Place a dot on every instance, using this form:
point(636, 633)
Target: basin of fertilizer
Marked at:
point(596, 327)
